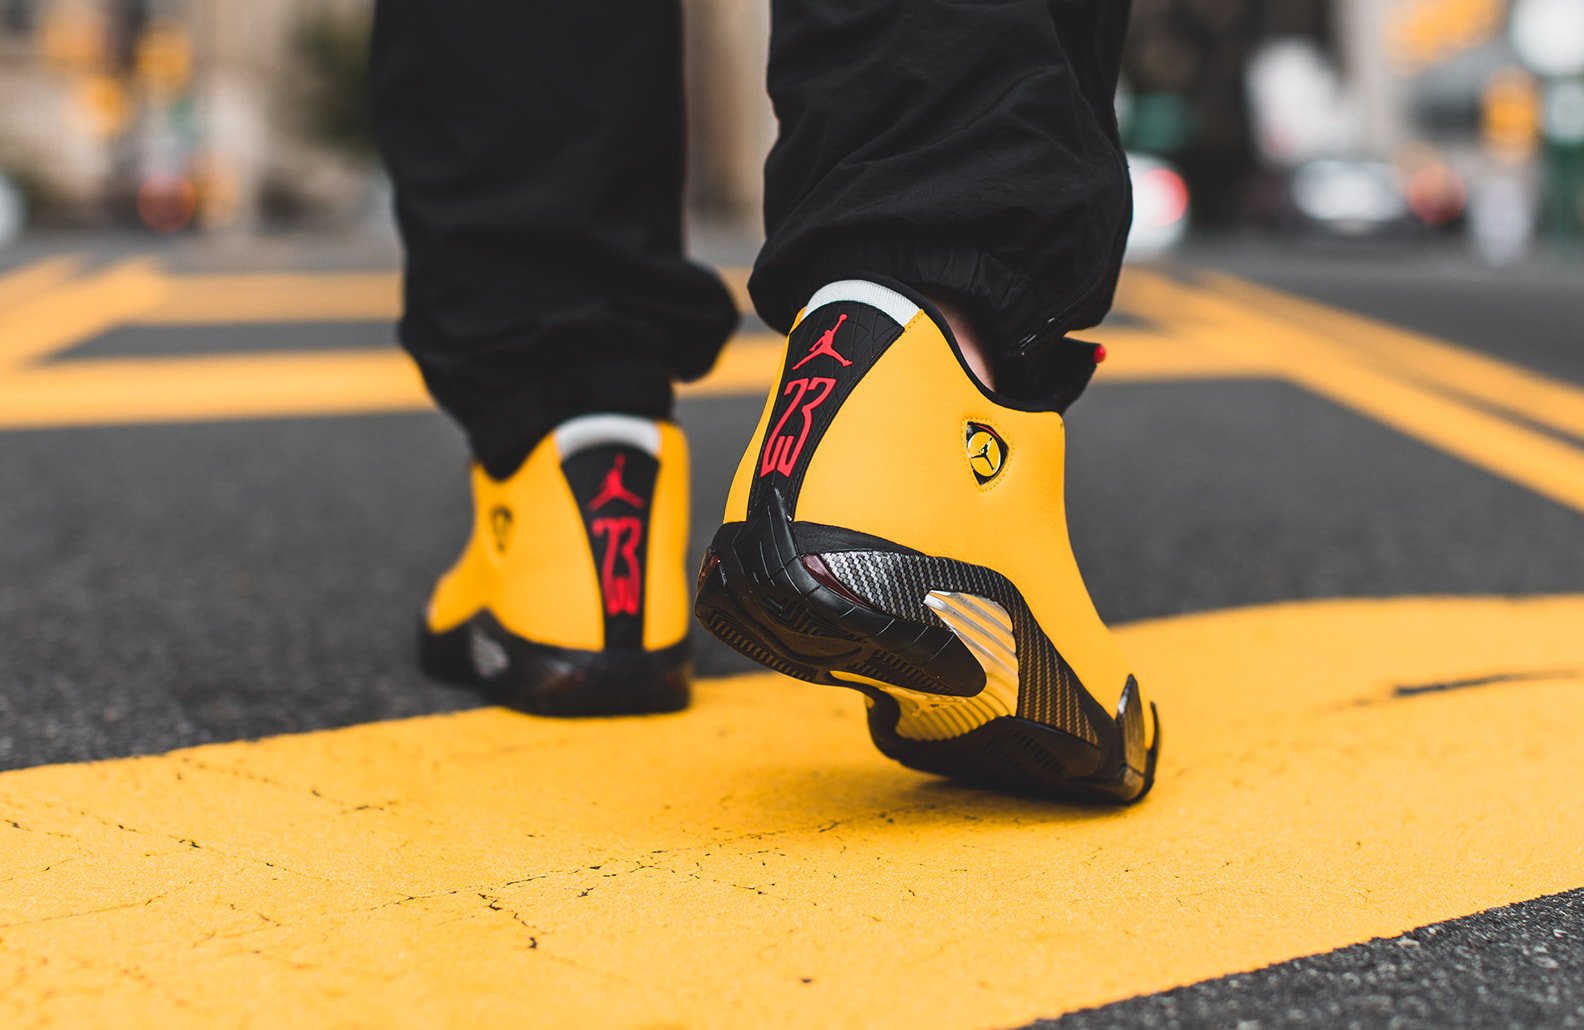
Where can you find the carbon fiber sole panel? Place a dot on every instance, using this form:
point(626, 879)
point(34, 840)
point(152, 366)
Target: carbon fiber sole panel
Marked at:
point(899, 584)
point(848, 615)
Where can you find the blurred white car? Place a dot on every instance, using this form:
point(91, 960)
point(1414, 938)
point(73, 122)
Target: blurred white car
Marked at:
point(1160, 207)
point(1349, 196)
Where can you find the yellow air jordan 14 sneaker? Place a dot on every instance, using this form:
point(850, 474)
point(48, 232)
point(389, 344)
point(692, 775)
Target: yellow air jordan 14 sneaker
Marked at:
point(896, 528)
point(571, 596)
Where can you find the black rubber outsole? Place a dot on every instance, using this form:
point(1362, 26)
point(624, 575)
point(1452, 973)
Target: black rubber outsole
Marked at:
point(779, 604)
point(556, 681)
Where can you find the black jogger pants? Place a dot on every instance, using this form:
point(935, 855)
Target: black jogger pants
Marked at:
point(967, 148)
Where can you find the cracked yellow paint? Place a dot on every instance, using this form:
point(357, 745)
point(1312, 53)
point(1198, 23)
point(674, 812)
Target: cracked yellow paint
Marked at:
point(754, 862)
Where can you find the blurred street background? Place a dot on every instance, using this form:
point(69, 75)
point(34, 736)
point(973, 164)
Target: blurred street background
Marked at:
point(1457, 123)
point(1330, 484)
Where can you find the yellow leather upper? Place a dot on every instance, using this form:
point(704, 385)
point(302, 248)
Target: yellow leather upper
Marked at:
point(462, 591)
point(538, 577)
point(893, 464)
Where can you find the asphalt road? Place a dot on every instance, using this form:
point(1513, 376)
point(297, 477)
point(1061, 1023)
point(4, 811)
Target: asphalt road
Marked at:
point(170, 584)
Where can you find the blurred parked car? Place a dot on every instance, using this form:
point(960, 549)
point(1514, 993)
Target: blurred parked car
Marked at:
point(1348, 196)
point(1160, 207)
point(1362, 197)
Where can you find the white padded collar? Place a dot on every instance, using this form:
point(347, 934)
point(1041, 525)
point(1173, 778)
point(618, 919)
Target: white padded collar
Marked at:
point(897, 307)
point(587, 431)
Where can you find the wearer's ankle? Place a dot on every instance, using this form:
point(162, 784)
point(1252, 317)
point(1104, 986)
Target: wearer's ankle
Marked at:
point(969, 340)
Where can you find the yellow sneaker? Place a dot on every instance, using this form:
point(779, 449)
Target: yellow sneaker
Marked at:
point(896, 528)
point(571, 597)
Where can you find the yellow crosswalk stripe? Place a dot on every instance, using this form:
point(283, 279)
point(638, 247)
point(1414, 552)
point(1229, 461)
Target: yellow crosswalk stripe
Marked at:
point(1470, 405)
point(1351, 366)
point(346, 382)
point(1470, 375)
point(219, 387)
point(248, 298)
point(30, 280)
point(61, 317)
point(223, 387)
point(223, 300)
point(755, 862)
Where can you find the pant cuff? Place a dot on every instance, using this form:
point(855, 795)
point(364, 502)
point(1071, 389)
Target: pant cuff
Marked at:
point(1006, 304)
point(503, 434)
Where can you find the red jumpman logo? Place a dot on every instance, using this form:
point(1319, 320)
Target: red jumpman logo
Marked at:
point(612, 490)
point(826, 345)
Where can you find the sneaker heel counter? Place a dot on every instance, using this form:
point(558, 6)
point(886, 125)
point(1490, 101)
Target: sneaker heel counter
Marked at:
point(667, 592)
point(462, 591)
point(549, 584)
point(742, 479)
point(847, 330)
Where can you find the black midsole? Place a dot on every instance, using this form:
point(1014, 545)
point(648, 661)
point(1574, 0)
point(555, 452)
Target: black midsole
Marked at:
point(543, 679)
point(856, 614)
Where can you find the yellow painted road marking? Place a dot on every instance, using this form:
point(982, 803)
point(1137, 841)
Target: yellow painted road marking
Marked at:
point(216, 387)
point(736, 280)
point(1176, 354)
point(247, 298)
point(249, 386)
point(749, 364)
point(1416, 385)
point(56, 319)
point(754, 862)
point(223, 387)
point(1530, 459)
point(1519, 391)
point(350, 382)
point(1314, 359)
point(237, 299)
point(29, 281)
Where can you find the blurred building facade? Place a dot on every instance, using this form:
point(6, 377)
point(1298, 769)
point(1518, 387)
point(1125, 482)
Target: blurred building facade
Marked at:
point(179, 111)
point(239, 113)
point(252, 111)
